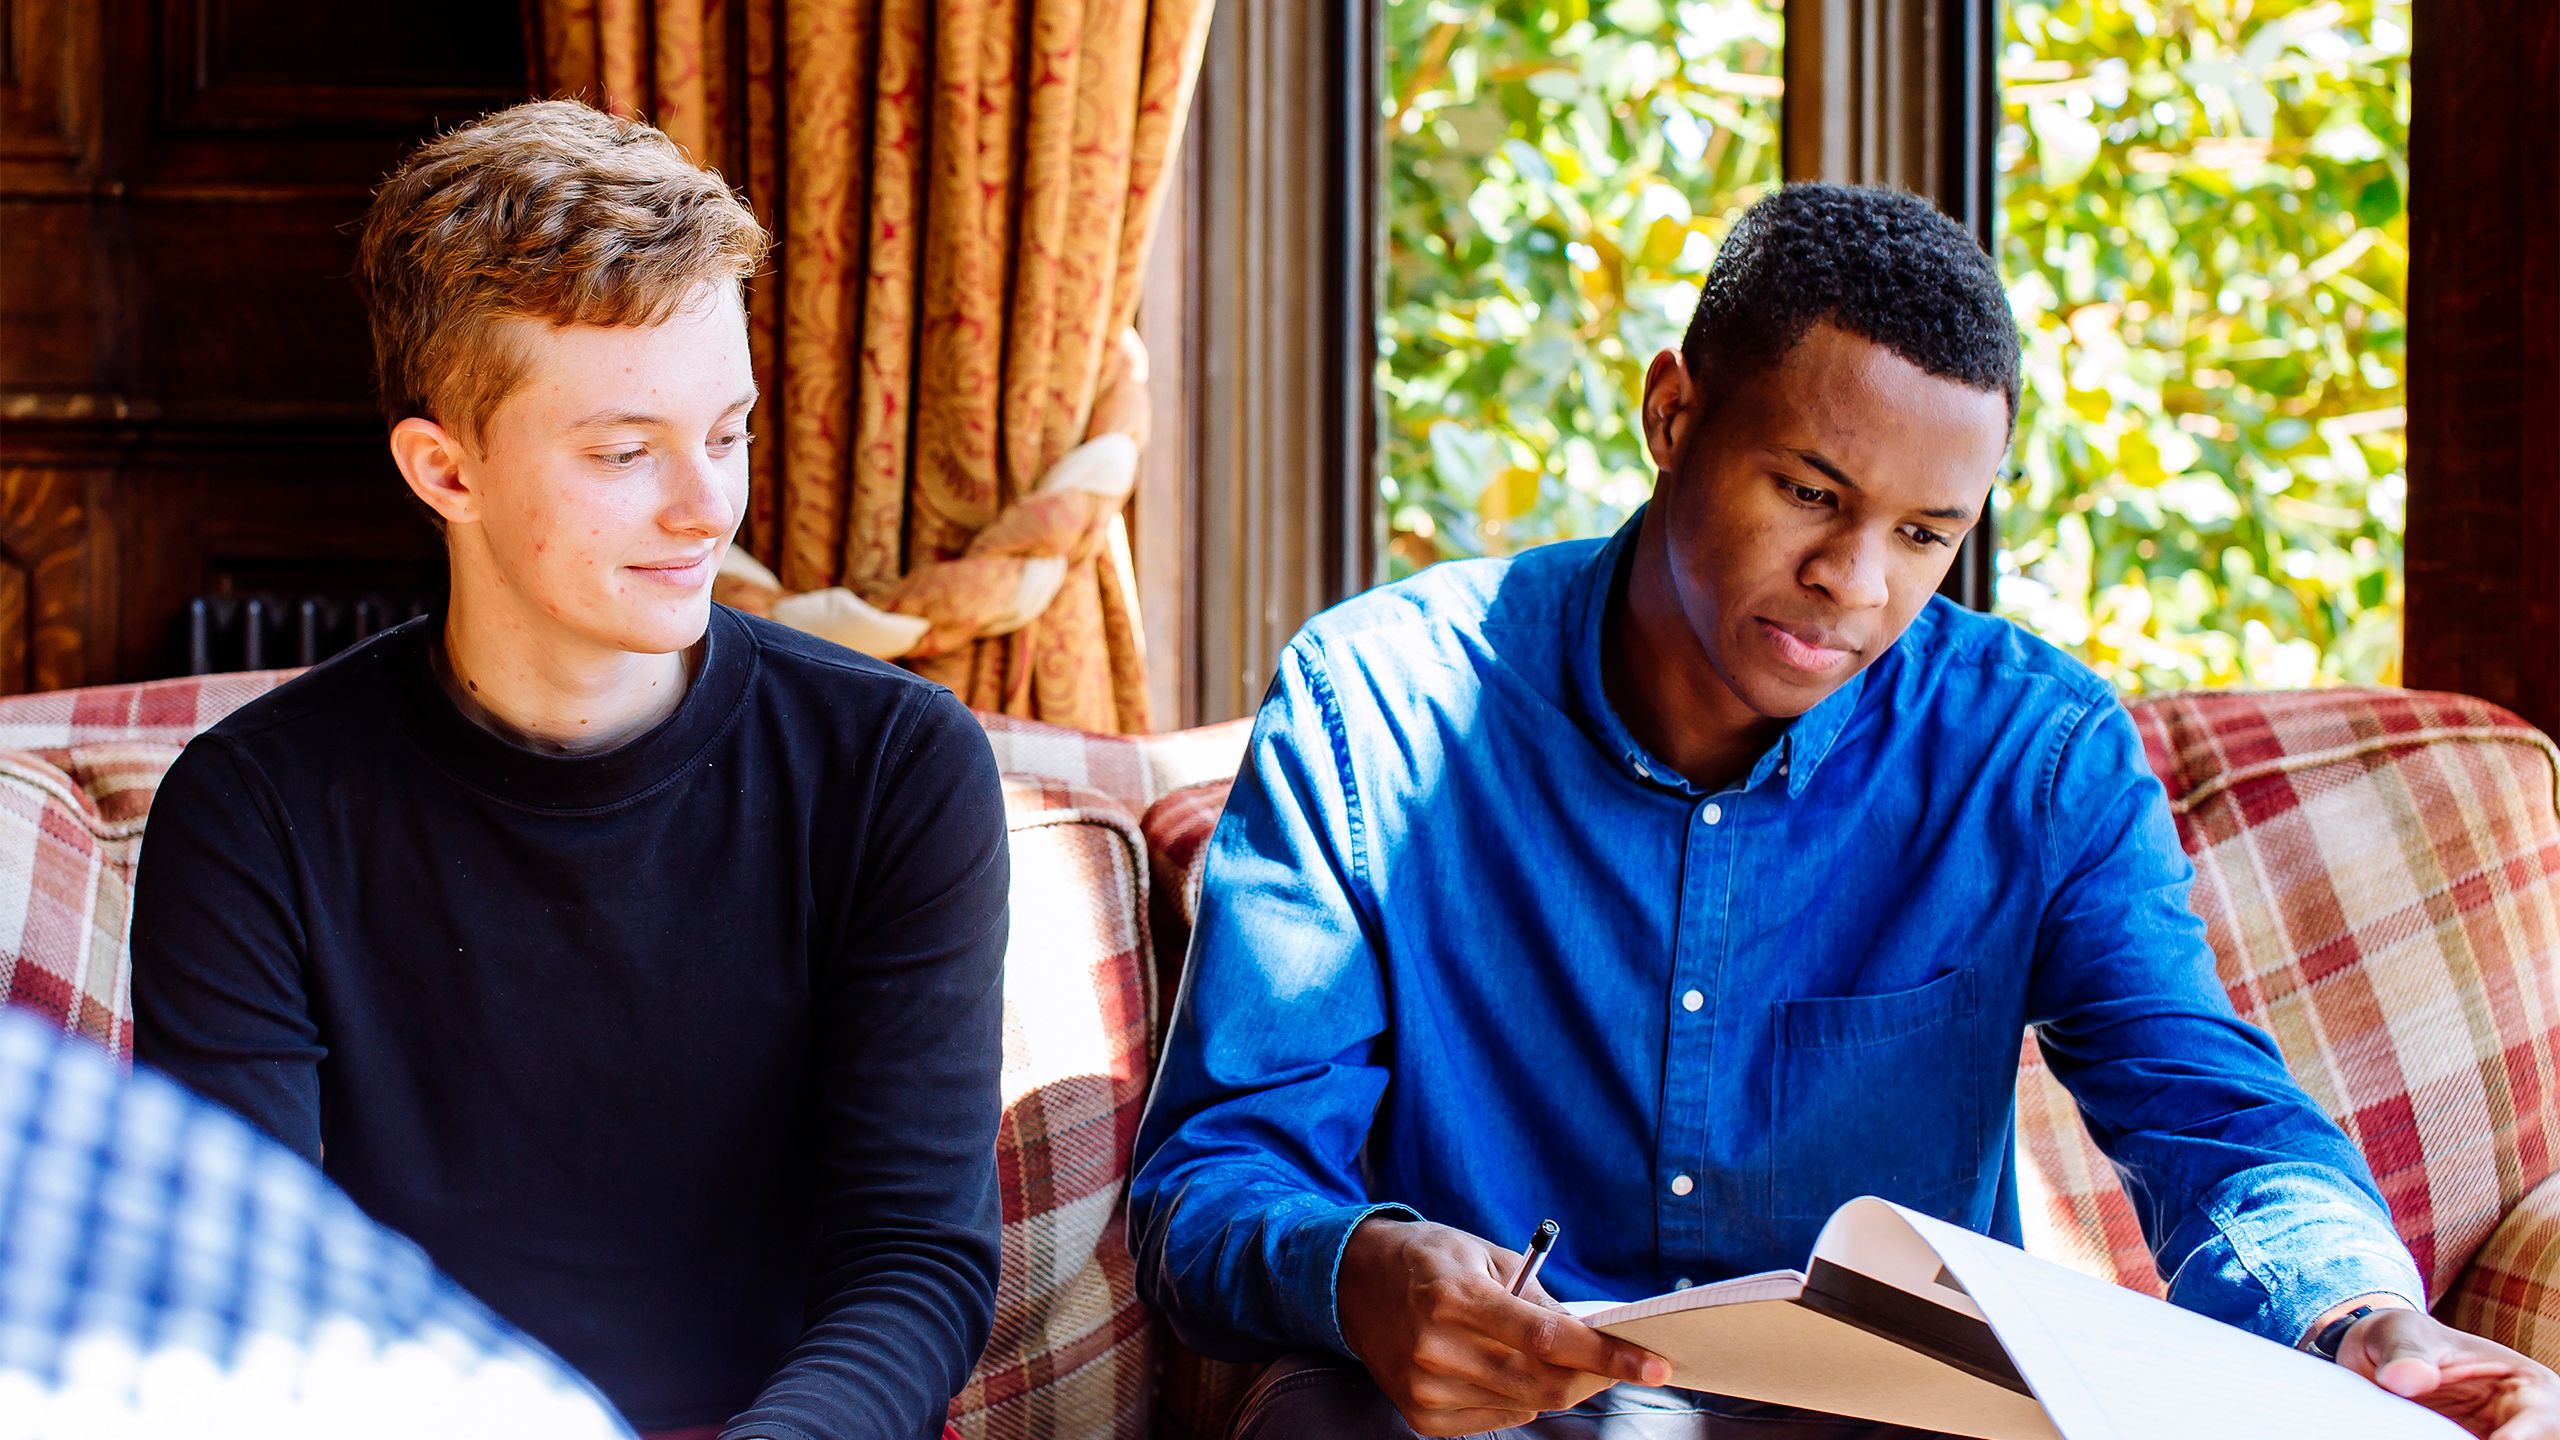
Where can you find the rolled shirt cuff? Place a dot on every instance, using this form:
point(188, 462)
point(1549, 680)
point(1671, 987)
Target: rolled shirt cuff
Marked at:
point(2288, 1244)
point(1311, 1261)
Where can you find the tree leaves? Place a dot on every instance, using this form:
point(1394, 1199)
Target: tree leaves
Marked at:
point(2202, 223)
point(2210, 449)
point(1558, 175)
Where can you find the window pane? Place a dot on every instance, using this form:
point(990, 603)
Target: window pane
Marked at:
point(1557, 177)
point(2203, 229)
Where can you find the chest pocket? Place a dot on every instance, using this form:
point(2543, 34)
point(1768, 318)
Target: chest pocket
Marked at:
point(1873, 1095)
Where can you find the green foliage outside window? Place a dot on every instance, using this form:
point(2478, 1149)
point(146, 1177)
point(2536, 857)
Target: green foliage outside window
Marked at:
point(2204, 232)
point(2202, 212)
point(1558, 173)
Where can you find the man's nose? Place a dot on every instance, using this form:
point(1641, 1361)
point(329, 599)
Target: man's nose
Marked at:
point(699, 500)
point(1851, 570)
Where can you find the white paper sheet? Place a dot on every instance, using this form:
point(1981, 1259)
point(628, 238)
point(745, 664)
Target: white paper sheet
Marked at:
point(2113, 1364)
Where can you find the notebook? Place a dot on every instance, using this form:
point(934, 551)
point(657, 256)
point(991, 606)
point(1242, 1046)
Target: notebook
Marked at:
point(1903, 1318)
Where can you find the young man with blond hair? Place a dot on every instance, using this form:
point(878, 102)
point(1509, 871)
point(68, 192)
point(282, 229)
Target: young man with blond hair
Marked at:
point(638, 958)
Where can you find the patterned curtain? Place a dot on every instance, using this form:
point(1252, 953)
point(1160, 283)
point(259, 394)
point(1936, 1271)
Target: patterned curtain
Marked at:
point(954, 400)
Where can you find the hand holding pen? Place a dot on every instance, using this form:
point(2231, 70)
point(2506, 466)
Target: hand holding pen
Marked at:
point(1460, 1337)
point(1534, 1258)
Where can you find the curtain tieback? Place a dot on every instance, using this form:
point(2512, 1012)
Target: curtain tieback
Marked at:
point(1011, 570)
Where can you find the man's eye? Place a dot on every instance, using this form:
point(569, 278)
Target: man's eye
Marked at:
point(725, 443)
point(1805, 494)
point(1923, 536)
point(623, 459)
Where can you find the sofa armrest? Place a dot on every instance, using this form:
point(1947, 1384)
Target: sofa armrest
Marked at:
point(2511, 1292)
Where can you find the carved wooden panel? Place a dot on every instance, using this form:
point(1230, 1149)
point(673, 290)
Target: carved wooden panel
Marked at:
point(185, 389)
point(44, 579)
point(17, 651)
point(47, 93)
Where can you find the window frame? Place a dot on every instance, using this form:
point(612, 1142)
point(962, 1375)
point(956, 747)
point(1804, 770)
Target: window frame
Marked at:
point(1265, 513)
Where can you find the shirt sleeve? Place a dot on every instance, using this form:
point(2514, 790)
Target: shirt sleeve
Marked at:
point(2258, 1210)
point(1247, 1180)
point(908, 1074)
point(217, 940)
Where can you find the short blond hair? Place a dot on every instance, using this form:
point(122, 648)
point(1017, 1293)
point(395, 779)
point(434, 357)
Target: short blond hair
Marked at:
point(550, 210)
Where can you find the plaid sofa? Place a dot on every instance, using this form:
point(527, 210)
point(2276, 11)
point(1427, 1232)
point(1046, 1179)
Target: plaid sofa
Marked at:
point(2379, 872)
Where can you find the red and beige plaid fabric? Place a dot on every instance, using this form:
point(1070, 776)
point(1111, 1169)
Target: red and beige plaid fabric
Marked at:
point(70, 832)
point(1177, 829)
point(166, 712)
point(2379, 876)
point(2509, 1293)
point(78, 769)
point(1134, 770)
point(1073, 1351)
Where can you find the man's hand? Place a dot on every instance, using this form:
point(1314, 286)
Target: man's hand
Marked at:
point(2486, 1388)
point(1429, 1310)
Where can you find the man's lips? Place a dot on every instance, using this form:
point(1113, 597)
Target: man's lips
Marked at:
point(678, 572)
point(1812, 651)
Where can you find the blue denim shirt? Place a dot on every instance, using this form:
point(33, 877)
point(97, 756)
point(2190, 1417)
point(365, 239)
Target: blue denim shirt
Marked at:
point(1466, 951)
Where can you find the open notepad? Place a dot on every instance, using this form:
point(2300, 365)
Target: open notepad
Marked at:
point(1903, 1318)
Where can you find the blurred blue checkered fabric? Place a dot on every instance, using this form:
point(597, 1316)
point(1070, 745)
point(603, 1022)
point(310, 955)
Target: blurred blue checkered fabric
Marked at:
point(166, 1270)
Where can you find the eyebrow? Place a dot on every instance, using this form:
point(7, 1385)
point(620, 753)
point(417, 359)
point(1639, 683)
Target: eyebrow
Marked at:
point(1823, 463)
point(603, 418)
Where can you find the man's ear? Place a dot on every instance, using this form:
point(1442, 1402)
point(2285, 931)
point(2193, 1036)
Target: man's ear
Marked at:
point(430, 458)
point(1669, 408)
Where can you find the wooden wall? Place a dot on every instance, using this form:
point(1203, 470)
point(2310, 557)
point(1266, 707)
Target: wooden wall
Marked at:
point(2484, 354)
point(185, 393)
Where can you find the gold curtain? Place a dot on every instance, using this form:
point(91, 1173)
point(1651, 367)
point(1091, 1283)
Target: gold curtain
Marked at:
point(963, 191)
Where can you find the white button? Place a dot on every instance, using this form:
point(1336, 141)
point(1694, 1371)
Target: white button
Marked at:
point(1644, 770)
point(1692, 1000)
point(1713, 814)
point(1683, 1283)
point(1682, 1184)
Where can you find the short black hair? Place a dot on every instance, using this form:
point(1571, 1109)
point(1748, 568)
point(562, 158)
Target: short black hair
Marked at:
point(1877, 262)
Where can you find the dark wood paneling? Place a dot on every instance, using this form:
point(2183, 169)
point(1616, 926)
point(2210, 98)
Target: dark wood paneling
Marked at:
point(185, 395)
point(2484, 354)
point(220, 331)
point(44, 621)
point(57, 298)
point(45, 110)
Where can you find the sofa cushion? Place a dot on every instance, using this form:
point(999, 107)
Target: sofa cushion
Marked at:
point(2511, 1292)
point(1073, 1351)
point(1177, 829)
point(163, 712)
point(1133, 770)
point(70, 833)
point(2379, 876)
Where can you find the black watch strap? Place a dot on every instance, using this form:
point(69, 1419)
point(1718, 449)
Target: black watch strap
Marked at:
point(2334, 1334)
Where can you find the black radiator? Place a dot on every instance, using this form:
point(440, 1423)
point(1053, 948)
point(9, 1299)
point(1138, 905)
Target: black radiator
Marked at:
point(272, 632)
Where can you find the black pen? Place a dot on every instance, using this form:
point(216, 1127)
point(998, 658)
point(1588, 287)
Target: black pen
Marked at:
point(1535, 1256)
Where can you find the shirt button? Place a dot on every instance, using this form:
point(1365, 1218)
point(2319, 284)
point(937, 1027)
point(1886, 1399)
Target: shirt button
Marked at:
point(1644, 770)
point(1713, 814)
point(1682, 1184)
point(1692, 1001)
point(1683, 1283)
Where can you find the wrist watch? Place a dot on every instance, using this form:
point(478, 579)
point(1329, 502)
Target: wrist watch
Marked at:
point(2334, 1334)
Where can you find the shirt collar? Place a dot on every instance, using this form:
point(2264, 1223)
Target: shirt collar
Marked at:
point(1800, 750)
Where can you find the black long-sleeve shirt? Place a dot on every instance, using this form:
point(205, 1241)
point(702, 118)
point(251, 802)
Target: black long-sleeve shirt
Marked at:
point(683, 1055)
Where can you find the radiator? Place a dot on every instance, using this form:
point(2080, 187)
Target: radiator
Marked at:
point(272, 632)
